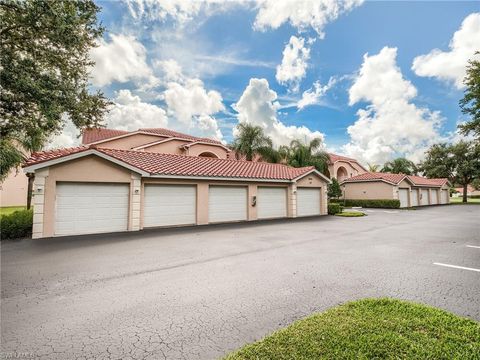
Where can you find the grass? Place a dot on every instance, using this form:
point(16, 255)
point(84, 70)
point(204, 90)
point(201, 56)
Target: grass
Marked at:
point(458, 201)
point(371, 329)
point(7, 210)
point(350, 214)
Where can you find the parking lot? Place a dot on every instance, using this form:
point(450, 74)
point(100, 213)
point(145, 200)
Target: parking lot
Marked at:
point(198, 293)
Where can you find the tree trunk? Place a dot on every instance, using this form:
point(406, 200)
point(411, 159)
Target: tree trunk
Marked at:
point(465, 192)
point(31, 178)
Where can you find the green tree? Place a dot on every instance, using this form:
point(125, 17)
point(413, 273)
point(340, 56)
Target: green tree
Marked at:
point(44, 66)
point(252, 141)
point(400, 166)
point(334, 190)
point(470, 103)
point(373, 167)
point(311, 154)
point(460, 163)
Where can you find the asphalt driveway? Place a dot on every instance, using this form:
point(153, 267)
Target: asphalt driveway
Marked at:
point(199, 293)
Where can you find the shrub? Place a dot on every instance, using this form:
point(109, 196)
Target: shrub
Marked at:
point(474, 196)
point(374, 203)
point(16, 225)
point(334, 209)
point(334, 190)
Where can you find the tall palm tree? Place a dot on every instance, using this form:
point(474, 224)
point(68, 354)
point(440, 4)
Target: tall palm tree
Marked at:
point(251, 141)
point(373, 167)
point(400, 166)
point(310, 154)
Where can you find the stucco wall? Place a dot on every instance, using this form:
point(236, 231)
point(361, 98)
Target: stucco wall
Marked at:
point(128, 142)
point(352, 169)
point(369, 190)
point(168, 147)
point(13, 190)
point(197, 149)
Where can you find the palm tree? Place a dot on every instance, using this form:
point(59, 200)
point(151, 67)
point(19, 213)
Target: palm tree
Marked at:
point(400, 166)
point(373, 167)
point(251, 141)
point(272, 155)
point(311, 154)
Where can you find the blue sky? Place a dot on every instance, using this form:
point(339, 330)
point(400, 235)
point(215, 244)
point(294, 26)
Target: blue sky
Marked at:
point(153, 57)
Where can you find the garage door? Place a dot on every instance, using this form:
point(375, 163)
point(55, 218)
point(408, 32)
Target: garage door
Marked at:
point(403, 197)
point(271, 202)
point(227, 203)
point(414, 197)
point(83, 208)
point(434, 196)
point(444, 196)
point(166, 205)
point(308, 201)
point(424, 199)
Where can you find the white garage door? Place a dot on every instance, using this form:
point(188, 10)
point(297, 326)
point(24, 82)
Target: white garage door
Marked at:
point(86, 208)
point(271, 202)
point(403, 197)
point(166, 205)
point(227, 203)
point(308, 201)
point(434, 195)
point(414, 197)
point(444, 196)
point(424, 199)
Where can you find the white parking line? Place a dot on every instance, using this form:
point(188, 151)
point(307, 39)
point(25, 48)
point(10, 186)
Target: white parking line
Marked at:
point(473, 246)
point(457, 267)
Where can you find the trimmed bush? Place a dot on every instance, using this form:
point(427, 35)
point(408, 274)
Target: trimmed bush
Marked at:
point(375, 203)
point(334, 209)
point(16, 225)
point(474, 196)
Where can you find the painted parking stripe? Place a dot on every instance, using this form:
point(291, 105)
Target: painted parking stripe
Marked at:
point(457, 267)
point(473, 246)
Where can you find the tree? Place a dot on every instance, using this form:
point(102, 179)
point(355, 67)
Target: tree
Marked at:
point(311, 154)
point(373, 167)
point(251, 141)
point(400, 166)
point(470, 103)
point(460, 163)
point(44, 73)
point(334, 190)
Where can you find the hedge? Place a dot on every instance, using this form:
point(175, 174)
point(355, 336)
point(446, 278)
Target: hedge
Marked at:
point(16, 225)
point(334, 209)
point(373, 203)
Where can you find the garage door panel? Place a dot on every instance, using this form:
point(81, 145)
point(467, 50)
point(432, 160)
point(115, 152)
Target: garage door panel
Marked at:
point(403, 197)
point(424, 199)
point(308, 201)
point(86, 208)
point(170, 205)
point(271, 202)
point(414, 197)
point(434, 197)
point(227, 203)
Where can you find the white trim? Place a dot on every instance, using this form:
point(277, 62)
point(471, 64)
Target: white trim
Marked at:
point(206, 143)
point(373, 180)
point(144, 146)
point(80, 154)
point(221, 178)
point(310, 172)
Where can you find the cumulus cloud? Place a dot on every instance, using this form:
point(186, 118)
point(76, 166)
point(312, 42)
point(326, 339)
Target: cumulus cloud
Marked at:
point(301, 14)
point(129, 112)
point(69, 137)
point(391, 125)
point(314, 95)
point(451, 65)
point(258, 106)
point(294, 63)
point(122, 59)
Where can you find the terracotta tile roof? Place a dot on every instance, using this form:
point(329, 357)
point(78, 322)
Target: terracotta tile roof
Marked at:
point(369, 176)
point(171, 133)
point(335, 157)
point(181, 165)
point(92, 135)
point(422, 181)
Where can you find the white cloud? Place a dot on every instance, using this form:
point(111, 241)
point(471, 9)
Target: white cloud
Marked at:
point(171, 70)
point(129, 112)
point(314, 95)
point(122, 59)
point(391, 125)
point(294, 63)
point(451, 65)
point(69, 137)
point(301, 14)
point(258, 106)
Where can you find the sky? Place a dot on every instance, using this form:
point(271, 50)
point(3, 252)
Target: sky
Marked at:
point(374, 80)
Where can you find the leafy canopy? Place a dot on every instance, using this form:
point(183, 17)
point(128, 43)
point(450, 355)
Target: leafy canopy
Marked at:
point(334, 190)
point(470, 103)
point(400, 166)
point(308, 154)
point(44, 72)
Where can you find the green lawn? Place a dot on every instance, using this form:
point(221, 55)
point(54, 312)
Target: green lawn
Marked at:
point(350, 214)
point(6, 210)
point(469, 201)
point(371, 329)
